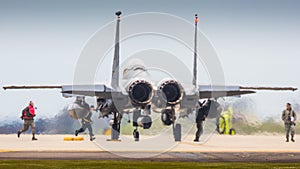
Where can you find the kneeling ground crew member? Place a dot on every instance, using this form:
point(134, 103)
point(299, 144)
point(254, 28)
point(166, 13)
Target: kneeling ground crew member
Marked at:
point(86, 123)
point(27, 114)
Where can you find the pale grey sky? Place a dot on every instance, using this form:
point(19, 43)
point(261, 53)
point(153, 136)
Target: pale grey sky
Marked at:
point(40, 41)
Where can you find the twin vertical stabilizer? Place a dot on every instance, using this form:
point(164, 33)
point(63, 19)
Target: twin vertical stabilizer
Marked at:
point(116, 61)
point(195, 53)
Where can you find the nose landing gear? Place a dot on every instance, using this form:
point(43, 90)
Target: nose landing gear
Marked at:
point(136, 134)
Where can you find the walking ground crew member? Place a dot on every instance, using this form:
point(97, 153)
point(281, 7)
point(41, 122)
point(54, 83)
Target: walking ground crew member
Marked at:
point(289, 118)
point(201, 115)
point(86, 123)
point(27, 115)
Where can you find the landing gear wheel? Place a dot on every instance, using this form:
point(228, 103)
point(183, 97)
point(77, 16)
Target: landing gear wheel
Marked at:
point(136, 135)
point(177, 132)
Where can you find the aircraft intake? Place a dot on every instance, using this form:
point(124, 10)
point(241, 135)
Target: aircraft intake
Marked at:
point(170, 91)
point(140, 92)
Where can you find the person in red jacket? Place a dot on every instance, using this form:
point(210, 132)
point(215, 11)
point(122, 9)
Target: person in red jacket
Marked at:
point(27, 115)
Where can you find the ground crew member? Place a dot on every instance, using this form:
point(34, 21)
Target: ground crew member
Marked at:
point(289, 117)
point(86, 123)
point(201, 114)
point(224, 122)
point(27, 115)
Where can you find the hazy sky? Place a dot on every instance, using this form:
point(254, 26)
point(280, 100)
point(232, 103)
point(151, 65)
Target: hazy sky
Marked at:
point(257, 42)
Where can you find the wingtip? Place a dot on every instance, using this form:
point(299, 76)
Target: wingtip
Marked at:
point(269, 88)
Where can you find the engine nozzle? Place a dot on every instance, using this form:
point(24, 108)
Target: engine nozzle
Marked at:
point(140, 92)
point(170, 91)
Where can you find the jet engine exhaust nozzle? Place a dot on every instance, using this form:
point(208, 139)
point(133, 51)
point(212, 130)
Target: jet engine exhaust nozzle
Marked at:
point(140, 92)
point(170, 91)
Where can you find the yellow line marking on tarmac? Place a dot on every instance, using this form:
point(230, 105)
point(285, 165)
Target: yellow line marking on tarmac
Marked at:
point(4, 151)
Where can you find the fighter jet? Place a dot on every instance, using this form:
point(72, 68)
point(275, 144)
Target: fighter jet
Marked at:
point(141, 97)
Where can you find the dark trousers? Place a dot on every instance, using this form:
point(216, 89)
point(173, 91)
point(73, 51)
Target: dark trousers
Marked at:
point(88, 126)
point(199, 129)
point(289, 128)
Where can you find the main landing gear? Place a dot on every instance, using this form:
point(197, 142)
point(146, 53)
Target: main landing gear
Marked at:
point(115, 125)
point(168, 118)
point(177, 132)
point(141, 118)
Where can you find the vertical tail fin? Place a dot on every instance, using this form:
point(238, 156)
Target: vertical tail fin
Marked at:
point(116, 66)
point(195, 53)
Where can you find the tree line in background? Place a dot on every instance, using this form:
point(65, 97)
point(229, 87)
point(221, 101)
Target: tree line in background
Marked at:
point(59, 124)
point(244, 121)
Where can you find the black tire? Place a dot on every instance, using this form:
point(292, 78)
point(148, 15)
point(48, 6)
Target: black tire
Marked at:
point(136, 135)
point(177, 132)
point(166, 117)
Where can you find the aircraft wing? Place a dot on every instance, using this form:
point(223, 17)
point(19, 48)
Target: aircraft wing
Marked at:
point(99, 90)
point(216, 91)
point(87, 90)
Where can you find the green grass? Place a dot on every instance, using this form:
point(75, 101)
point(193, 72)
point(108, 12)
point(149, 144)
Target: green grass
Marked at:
point(64, 164)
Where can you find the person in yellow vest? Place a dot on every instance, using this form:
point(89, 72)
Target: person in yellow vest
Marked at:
point(224, 122)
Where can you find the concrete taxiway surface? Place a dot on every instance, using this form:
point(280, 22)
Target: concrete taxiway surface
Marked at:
point(217, 148)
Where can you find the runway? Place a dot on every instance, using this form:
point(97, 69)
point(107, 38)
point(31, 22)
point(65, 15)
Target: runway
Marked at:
point(218, 148)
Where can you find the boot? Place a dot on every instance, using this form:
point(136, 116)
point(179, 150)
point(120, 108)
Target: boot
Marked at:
point(76, 132)
point(196, 139)
point(92, 138)
point(19, 133)
point(33, 137)
point(292, 139)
